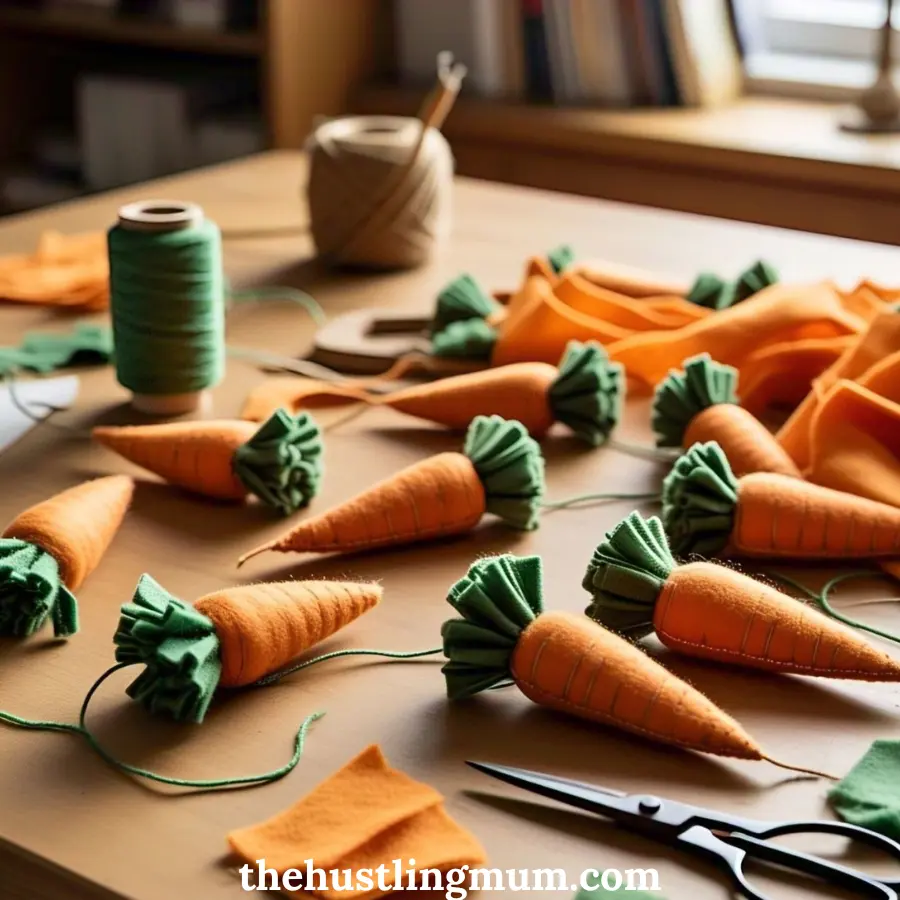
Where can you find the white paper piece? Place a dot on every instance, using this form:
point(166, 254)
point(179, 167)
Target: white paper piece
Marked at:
point(37, 396)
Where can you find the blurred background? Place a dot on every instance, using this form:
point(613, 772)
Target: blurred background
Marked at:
point(676, 103)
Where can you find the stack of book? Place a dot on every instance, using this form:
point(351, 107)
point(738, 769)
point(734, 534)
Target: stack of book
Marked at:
point(614, 53)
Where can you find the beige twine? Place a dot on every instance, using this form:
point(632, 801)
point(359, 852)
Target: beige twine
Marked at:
point(380, 187)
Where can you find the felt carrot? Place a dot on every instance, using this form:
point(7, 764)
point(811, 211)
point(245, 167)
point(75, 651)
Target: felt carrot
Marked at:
point(231, 638)
point(629, 281)
point(48, 551)
point(585, 393)
point(279, 462)
point(709, 611)
point(566, 662)
point(500, 471)
point(713, 292)
point(460, 300)
point(700, 403)
point(707, 510)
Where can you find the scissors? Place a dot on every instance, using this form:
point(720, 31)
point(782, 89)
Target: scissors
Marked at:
point(726, 840)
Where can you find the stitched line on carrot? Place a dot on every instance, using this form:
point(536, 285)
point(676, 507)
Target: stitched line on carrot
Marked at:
point(203, 784)
point(821, 599)
point(386, 654)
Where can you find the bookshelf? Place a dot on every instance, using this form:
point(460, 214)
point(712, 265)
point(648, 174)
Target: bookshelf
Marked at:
point(305, 57)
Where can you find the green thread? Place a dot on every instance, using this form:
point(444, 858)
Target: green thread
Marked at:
point(31, 591)
point(167, 302)
point(683, 394)
point(589, 498)
point(560, 258)
point(644, 451)
point(589, 392)
point(282, 463)
point(510, 466)
point(468, 339)
point(278, 292)
point(626, 573)
point(462, 299)
point(700, 498)
point(497, 599)
point(713, 292)
point(202, 784)
point(337, 654)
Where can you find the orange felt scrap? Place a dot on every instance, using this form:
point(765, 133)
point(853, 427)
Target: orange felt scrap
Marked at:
point(879, 342)
point(64, 270)
point(365, 815)
point(778, 314)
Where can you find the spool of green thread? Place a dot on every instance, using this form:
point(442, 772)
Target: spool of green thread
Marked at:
point(167, 298)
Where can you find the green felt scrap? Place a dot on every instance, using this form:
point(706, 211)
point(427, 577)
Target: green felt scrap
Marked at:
point(462, 299)
point(561, 257)
point(589, 392)
point(870, 795)
point(31, 590)
point(468, 339)
point(683, 394)
point(510, 465)
point(43, 352)
point(178, 647)
point(282, 463)
point(497, 598)
point(700, 497)
point(713, 292)
point(626, 574)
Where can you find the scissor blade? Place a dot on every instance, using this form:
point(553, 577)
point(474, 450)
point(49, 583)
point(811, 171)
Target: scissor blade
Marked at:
point(602, 801)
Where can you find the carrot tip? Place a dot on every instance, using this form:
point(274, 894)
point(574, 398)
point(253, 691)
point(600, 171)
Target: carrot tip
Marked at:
point(462, 299)
point(700, 496)
point(682, 395)
point(263, 548)
point(282, 463)
point(32, 590)
point(178, 647)
point(589, 392)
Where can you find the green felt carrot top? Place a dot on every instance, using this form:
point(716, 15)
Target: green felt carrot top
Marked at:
point(682, 395)
point(713, 292)
point(462, 299)
point(561, 257)
point(497, 599)
point(465, 339)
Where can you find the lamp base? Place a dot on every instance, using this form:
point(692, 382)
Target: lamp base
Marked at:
point(857, 122)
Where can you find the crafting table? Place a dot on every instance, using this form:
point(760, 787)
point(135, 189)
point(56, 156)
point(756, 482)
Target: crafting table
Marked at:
point(72, 827)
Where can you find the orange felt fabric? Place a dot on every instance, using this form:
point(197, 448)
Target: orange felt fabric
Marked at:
point(629, 280)
point(880, 340)
point(776, 315)
point(64, 270)
point(365, 815)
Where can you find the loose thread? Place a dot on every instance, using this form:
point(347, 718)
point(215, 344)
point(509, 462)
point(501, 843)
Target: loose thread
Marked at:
point(821, 598)
point(203, 784)
point(815, 773)
point(660, 454)
point(584, 498)
point(301, 298)
point(8, 379)
point(387, 654)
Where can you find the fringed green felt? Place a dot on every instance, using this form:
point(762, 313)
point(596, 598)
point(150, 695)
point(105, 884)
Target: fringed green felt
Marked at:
point(41, 351)
point(589, 392)
point(31, 590)
point(699, 497)
point(282, 463)
point(178, 648)
point(561, 257)
point(680, 396)
point(470, 339)
point(713, 292)
point(497, 599)
point(461, 300)
point(510, 465)
point(626, 574)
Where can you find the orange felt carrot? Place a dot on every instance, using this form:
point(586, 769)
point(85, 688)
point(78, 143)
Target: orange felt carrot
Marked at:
point(279, 462)
point(230, 638)
point(707, 510)
point(629, 280)
point(700, 404)
point(585, 393)
point(48, 551)
point(777, 314)
point(568, 663)
point(712, 612)
point(500, 471)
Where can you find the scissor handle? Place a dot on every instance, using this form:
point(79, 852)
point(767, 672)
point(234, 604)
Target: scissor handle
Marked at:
point(733, 850)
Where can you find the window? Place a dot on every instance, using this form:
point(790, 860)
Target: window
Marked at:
point(813, 47)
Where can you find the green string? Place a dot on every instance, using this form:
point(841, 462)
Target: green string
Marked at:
point(387, 654)
point(301, 298)
point(821, 598)
point(204, 784)
point(658, 454)
point(585, 498)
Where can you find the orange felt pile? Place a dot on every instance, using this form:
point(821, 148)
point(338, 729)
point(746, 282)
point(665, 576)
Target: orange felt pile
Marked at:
point(365, 815)
point(65, 270)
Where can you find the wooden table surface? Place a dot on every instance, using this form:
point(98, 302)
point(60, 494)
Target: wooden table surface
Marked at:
point(63, 811)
